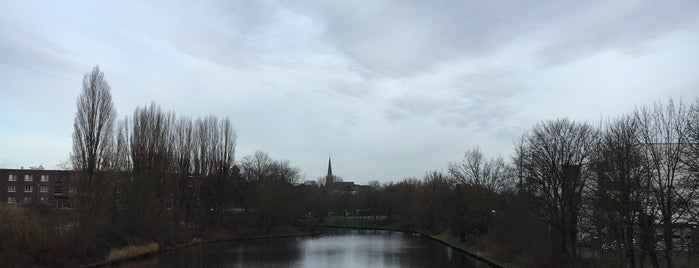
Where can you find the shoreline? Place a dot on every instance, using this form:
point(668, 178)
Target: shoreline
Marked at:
point(470, 254)
point(195, 242)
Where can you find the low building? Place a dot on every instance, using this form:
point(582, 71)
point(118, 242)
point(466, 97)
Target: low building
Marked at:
point(333, 185)
point(26, 186)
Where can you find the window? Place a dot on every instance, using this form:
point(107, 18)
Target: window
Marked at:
point(28, 178)
point(43, 199)
point(27, 188)
point(11, 188)
point(27, 199)
point(12, 177)
point(44, 178)
point(11, 199)
point(43, 188)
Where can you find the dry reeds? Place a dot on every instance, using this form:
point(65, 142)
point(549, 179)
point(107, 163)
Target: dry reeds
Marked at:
point(131, 251)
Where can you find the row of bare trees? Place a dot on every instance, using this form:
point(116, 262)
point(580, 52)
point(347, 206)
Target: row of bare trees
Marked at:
point(173, 164)
point(154, 173)
point(646, 182)
point(147, 167)
point(270, 188)
point(624, 190)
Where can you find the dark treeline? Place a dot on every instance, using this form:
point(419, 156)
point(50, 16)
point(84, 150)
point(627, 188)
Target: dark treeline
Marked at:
point(155, 176)
point(619, 194)
point(158, 176)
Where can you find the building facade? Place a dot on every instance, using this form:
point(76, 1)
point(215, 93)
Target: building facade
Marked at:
point(26, 186)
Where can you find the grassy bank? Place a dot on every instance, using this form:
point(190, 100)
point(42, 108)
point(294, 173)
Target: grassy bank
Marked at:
point(468, 247)
point(353, 222)
point(446, 238)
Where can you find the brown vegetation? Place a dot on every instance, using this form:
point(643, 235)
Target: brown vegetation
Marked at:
point(22, 230)
point(117, 254)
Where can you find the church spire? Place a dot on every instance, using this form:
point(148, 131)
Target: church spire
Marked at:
point(329, 177)
point(330, 168)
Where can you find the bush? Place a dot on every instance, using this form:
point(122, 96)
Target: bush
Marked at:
point(21, 231)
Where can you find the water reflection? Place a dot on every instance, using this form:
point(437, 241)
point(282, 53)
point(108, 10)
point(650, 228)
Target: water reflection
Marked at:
point(335, 248)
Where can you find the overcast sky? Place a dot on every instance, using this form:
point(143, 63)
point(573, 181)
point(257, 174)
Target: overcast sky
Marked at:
point(390, 89)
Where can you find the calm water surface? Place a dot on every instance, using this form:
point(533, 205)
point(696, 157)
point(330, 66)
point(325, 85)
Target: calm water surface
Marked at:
point(334, 248)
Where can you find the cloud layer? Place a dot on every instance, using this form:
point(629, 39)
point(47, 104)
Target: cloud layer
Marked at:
point(389, 88)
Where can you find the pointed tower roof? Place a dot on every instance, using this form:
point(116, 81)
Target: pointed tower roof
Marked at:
point(330, 168)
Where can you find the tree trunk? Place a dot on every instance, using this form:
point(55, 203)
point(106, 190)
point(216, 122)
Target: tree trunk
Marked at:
point(667, 239)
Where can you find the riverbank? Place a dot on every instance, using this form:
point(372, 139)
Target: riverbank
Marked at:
point(445, 238)
point(150, 249)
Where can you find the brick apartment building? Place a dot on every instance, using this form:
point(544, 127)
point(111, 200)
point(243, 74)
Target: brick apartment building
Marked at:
point(25, 186)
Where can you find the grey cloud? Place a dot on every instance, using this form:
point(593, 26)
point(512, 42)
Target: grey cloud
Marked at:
point(226, 33)
point(399, 38)
point(468, 100)
point(488, 83)
point(403, 38)
point(350, 120)
point(622, 26)
point(487, 114)
point(466, 111)
point(419, 105)
point(395, 114)
point(31, 52)
point(234, 34)
point(469, 112)
point(355, 90)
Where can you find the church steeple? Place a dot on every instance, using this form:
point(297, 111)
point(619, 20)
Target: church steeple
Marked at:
point(329, 177)
point(330, 168)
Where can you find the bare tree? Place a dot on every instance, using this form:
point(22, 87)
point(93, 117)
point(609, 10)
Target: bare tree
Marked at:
point(206, 141)
point(518, 160)
point(256, 167)
point(619, 194)
point(93, 142)
point(224, 166)
point(260, 167)
point(94, 125)
point(435, 206)
point(122, 161)
point(555, 157)
point(663, 130)
point(151, 146)
point(475, 170)
point(183, 153)
point(270, 189)
point(692, 158)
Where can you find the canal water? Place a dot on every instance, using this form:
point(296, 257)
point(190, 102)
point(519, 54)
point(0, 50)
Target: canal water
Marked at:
point(334, 248)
